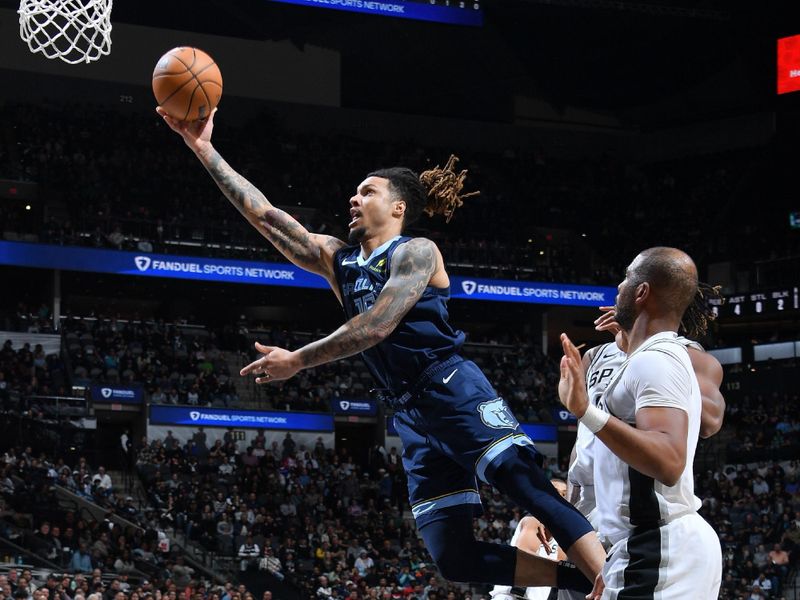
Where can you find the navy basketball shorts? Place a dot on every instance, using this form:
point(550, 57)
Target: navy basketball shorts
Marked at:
point(454, 428)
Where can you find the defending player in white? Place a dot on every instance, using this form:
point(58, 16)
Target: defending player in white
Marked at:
point(600, 364)
point(648, 420)
point(533, 537)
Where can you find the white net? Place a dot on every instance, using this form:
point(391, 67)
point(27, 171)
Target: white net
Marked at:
point(73, 30)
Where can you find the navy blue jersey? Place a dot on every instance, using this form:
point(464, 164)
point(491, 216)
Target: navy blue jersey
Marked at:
point(421, 339)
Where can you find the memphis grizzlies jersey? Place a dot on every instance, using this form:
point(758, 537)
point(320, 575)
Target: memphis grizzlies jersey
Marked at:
point(424, 335)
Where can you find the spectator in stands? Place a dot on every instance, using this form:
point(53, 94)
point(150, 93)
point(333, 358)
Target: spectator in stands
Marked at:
point(271, 563)
point(181, 573)
point(760, 487)
point(101, 547)
point(249, 553)
point(81, 561)
point(124, 563)
point(102, 480)
point(364, 563)
point(289, 445)
point(324, 590)
point(780, 559)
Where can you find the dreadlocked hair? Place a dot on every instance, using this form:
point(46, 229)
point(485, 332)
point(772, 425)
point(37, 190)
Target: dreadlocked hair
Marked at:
point(444, 189)
point(699, 314)
point(436, 191)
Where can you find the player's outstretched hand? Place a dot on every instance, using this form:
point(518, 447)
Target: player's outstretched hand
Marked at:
point(277, 364)
point(597, 590)
point(196, 134)
point(572, 385)
point(538, 528)
point(608, 322)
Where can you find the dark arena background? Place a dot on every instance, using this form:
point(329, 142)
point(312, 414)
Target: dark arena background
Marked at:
point(137, 464)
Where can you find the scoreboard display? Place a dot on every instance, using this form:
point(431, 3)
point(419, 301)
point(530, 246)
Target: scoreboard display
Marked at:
point(454, 12)
point(769, 303)
point(788, 64)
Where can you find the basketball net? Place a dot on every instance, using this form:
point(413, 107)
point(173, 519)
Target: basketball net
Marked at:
point(73, 30)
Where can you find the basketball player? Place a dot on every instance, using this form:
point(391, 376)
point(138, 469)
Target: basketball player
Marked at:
point(648, 420)
point(707, 368)
point(600, 363)
point(454, 426)
point(532, 537)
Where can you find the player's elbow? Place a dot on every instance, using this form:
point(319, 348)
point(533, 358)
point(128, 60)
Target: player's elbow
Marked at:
point(669, 479)
point(380, 327)
point(380, 332)
point(671, 471)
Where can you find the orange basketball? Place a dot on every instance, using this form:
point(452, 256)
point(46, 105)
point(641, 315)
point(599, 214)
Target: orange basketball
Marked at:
point(187, 84)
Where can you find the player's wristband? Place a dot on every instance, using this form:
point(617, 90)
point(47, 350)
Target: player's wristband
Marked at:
point(569, 577)
point(594, 418)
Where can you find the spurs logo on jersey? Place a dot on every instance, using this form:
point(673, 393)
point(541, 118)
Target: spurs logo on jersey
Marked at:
point(604, 362)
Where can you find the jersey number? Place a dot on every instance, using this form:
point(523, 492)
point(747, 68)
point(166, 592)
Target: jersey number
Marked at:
point(598, 401)
point(364, 303)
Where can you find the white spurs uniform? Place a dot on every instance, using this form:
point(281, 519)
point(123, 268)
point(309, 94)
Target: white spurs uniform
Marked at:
point(604, 362)
point(506, 592)
point(661, 548)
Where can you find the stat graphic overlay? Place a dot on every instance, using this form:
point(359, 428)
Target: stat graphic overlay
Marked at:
point(454, 12)
point(773, 303)
point(789, 64)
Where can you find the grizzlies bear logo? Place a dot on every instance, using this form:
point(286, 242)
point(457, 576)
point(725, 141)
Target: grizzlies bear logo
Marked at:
point(497, 415)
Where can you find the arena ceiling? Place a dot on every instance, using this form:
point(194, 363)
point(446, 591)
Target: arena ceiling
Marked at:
point(647, 62)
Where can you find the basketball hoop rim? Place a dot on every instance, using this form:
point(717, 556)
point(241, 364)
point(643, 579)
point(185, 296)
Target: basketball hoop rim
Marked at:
point(74, 31)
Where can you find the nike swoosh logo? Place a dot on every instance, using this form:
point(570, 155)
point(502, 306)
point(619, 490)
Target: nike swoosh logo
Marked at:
point(349, 262)
point(449, 377)
point(608, 355)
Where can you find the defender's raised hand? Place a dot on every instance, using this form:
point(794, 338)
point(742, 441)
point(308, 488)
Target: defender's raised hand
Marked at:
point(572, 385)
point(608, 322)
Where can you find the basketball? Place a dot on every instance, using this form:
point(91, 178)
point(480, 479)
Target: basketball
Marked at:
point(187, 83)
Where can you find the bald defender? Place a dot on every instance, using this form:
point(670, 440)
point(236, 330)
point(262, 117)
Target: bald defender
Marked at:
point(648, 421)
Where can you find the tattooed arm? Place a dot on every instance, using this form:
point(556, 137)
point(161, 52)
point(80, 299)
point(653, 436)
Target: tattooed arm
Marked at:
point(309, 251)
point(413, 265)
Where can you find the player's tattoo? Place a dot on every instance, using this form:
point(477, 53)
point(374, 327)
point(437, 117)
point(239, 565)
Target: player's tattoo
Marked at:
point(413, 265)
point(285, 233)
point(290, 238)
point(244, 195)
point(333, 244)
